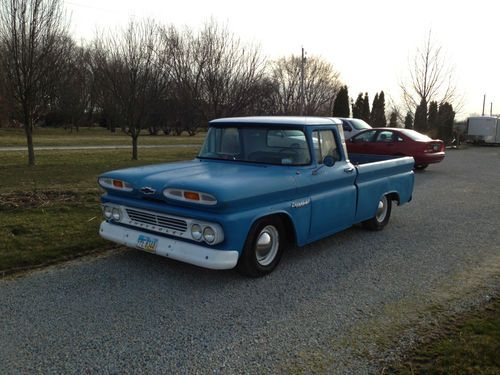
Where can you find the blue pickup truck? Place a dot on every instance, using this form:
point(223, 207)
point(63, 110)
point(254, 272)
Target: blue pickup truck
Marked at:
point(258, 185)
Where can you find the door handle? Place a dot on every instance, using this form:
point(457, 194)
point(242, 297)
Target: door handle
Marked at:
point(349, 169)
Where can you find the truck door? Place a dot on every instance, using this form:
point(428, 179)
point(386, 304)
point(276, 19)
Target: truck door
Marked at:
point(332, 190)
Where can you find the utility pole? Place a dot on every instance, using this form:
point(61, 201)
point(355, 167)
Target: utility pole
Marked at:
point(302, 68)
point(491, 109)
point(484, 102)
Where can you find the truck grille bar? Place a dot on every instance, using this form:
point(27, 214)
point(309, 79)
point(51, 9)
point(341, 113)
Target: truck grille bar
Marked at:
point(158, 220)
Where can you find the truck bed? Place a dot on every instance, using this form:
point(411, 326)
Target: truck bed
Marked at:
point(378, 175)
point(358, 159)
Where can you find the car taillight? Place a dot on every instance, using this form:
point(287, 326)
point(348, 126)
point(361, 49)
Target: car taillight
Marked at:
point(433, 147)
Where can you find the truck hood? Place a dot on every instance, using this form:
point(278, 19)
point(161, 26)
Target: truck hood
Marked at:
point(235, 185)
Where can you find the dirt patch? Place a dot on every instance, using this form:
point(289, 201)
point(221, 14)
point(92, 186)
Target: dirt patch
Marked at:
point(36, 199)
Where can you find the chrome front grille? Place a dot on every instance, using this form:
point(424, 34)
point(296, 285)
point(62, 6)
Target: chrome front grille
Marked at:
point(157, 220)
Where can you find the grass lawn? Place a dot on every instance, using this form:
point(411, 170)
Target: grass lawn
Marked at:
point(468, 344)
point(90, 137)
point(51, 211)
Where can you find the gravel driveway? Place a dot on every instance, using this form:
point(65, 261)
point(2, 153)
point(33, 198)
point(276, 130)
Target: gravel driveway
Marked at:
point(132, 312)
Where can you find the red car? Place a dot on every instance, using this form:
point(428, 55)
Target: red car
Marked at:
point(396, 141)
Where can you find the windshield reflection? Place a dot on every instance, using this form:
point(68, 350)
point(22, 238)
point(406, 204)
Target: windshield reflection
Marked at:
point(258, 145)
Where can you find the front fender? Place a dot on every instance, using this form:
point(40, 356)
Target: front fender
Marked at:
point(237, 226)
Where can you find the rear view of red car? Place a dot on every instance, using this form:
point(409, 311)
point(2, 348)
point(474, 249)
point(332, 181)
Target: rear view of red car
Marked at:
point(395, 141)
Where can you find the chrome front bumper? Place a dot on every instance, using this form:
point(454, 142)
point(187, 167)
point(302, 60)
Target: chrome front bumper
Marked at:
point(171, 248)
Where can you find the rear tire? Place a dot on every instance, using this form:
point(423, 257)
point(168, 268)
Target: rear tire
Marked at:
point(263, 247)
point(382, 215)
point(421, 167)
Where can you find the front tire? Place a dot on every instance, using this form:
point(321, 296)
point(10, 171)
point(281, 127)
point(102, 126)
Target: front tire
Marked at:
point(382, 215)
point(263, 247)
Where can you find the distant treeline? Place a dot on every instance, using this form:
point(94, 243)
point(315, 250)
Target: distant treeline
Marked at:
point(162, 78)
point(153, 77)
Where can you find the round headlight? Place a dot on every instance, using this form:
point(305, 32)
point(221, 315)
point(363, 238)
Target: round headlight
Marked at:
point(208, 235)
point(107, 211)
point(196, 232)
point(117, 215)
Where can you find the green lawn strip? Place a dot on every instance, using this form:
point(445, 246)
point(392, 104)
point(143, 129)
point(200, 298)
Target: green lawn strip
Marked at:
point(468, 344)
point(38, 235)
point(75, 170)
point(51, 211)
point(90, 137)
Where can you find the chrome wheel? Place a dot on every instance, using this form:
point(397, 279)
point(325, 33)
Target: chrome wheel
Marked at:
point(267, 245)
point(381, 210)
point(382, 215)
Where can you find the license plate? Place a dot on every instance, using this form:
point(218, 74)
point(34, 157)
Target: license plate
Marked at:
point(147, 243)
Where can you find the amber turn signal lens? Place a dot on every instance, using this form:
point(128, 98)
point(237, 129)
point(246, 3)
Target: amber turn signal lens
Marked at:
point(118, 183)
point(192, 195)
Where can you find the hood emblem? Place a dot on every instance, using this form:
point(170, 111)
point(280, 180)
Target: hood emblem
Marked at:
point(147, 190)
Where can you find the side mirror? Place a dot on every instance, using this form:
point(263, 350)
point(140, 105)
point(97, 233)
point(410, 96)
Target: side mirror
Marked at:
point(329, 161)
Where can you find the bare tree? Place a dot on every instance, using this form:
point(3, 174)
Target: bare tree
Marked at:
point(431, 77)
point(264, 103)
point(230, 72)
point(104, 104)
point(128, 68)
point(4, 97)
point(322, 84)
point(75, 89)
point(71, 99)
point(185, 60)
point(31, 33)
point(397, 109)
point(285, 73)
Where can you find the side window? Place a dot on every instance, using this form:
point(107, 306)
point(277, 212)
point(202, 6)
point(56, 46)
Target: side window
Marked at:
point(364, 137)
point(342, 138)
point(346, 126)
point(384, 136)
point(316, 148)
point(325, 145)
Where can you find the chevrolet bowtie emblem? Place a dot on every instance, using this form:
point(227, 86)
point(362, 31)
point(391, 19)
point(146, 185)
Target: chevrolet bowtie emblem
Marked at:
point(147, 190)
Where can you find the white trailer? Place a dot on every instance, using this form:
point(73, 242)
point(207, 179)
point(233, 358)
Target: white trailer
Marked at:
point(483, 129)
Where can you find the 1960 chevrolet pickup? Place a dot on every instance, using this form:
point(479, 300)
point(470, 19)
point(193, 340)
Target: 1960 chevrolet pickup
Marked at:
point(258, 185)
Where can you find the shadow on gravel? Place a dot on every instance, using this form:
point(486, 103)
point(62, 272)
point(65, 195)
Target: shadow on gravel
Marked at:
point(317, 255)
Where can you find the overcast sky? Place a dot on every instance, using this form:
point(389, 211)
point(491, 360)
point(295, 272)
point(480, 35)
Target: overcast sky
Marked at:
point(368, 42)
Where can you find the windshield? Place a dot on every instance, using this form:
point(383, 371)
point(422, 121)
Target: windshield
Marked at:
point(359, 124)
point(416, 136)
point(258, 145)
